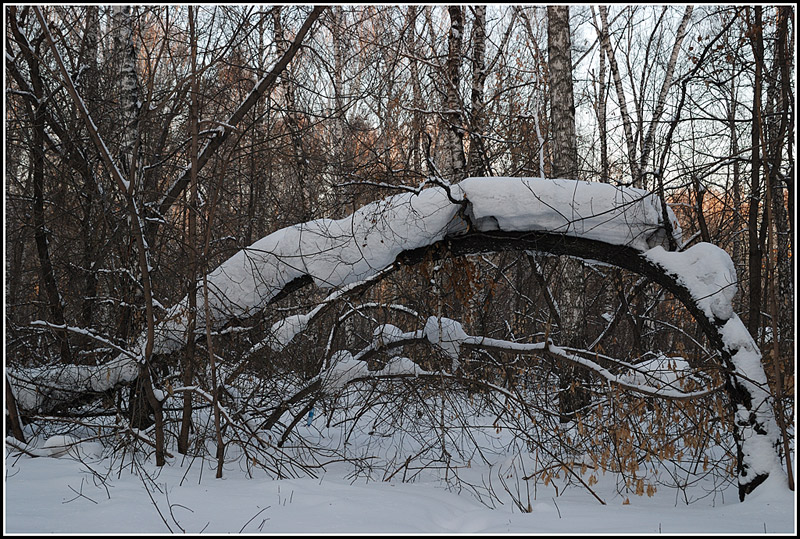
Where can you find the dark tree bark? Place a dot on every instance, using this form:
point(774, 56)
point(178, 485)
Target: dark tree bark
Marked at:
point(755, 254)
point(218, 137)
point(14, 424)
point(189, 352)
point(779, 132)
point(49, 285)
point(89, 225)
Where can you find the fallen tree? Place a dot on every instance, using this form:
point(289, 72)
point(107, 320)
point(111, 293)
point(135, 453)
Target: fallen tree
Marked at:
point(622, 227)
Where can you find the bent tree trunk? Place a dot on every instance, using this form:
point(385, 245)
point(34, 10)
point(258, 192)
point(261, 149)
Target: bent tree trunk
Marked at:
point(755, 430)
point(621, 227)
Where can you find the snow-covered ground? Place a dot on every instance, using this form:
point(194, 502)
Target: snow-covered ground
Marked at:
point(64, 495)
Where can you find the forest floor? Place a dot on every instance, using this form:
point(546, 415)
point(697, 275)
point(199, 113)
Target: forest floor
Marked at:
point(102, 495)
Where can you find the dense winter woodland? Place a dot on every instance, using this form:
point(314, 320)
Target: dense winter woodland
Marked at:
point(340, 269)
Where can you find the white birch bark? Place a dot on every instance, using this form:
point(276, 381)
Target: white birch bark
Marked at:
point(452, 114)
point(476, 164)
point(562, 103)
point(665, 86)
point(623, 104)
point(130, 96)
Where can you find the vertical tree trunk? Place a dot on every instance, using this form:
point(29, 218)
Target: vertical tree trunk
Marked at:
point(571, 397)
point(772, 134)
point(418, 121)
point(293, 124)
point(42, 236)
point(452, 114)
point(649, 140)
point(605, 41)
point(134, 215)
point(130, 105)
point(130, 100)
point(337, 24)
point(562, 103)
point(601, 120)
point(477, 162)
point(738, 242)
point(124, 67)
point(48, 283)
point(256, 178)
point(91, 94)
point(13, 421)
point(189, 352)
point(754, 244)
point(781, 132)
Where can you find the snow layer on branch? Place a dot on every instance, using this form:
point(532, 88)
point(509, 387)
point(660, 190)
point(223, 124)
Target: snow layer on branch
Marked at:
point(284, 330)
point(66, 445)
point(709, 275)
point(386, 334)
point(747, 360)
point(661, 371)
point(591, 210)
point(35, 387)
point(345, 368)
point(446, 334)
point(399, 365)
point(333, 252)
point(337, 253)
point(706, 271)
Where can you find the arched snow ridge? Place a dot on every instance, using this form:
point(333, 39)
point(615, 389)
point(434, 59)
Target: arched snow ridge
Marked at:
point(621, 226)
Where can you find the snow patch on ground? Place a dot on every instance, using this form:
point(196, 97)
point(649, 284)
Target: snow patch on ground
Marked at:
point(63, 495)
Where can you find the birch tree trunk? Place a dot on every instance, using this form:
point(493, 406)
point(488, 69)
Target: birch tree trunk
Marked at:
point(605, 41)
point(124, 67)
point(562, 103)
point(452, 114)
point(601, 119)
point(144, 365)
point(665, 86)
point(571, 397)
point(418, 121)
point(130, 98)
point(337, 25)
point(477, 161)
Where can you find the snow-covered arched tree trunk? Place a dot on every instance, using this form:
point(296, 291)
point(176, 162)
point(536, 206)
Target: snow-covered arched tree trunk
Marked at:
point(622, 227)
point(704, 280)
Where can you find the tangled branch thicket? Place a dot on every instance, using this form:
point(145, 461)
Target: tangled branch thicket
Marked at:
point(285, 413)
